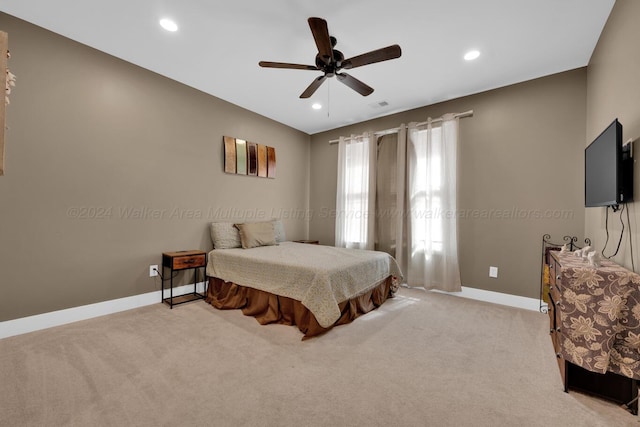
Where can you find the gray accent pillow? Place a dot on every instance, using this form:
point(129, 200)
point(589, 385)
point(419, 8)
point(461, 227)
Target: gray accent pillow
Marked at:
point(225, 235)
point(254, 234)
point(278, 228)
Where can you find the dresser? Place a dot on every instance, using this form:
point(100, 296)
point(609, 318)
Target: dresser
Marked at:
point(594, 319)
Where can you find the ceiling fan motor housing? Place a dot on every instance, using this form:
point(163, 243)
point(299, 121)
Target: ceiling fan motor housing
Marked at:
point(330, 68)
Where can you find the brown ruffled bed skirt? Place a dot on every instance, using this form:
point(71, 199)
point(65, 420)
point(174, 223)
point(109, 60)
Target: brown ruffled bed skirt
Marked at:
point(270, 308)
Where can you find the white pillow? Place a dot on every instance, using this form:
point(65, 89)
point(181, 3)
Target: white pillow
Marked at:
point(225, 235)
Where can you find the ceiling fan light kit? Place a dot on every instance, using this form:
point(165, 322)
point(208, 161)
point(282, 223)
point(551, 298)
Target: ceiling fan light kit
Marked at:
point(331, 61)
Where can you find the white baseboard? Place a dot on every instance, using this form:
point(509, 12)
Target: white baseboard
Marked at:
point(24, 325)
point(497, 298)
point(38, 322)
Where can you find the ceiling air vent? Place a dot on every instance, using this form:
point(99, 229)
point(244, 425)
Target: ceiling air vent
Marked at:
point(379, 104)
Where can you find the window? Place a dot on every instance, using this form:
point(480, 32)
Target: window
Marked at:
point(353, 203)
point(426, 193)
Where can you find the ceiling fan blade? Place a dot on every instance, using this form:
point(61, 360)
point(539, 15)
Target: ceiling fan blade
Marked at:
point(379, 55)
point(313, 87)
point(321, 36)
point(355, 84)
point(268, 64)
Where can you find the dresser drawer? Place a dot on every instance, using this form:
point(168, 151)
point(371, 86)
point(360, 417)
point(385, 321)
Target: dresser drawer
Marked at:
point(552, 314)
point(556, 339)
point(554, 292)
point(554, 271)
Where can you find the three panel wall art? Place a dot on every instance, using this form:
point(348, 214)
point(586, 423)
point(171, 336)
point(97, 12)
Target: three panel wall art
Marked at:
point(248, 158)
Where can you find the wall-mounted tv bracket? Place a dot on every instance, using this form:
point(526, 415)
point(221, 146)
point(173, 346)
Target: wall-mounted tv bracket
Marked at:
point(627, 170)
point(628, 145)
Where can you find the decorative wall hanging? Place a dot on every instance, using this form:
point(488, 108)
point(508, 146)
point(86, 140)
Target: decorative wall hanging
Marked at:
point(8, 79)
point(248, 158)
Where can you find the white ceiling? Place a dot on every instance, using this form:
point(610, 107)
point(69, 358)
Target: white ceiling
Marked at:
point(219, 44)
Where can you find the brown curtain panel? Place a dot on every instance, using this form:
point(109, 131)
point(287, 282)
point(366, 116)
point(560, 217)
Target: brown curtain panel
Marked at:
point(386, 194)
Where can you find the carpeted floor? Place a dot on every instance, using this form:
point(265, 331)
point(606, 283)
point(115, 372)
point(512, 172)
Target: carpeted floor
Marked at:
point(422, 359)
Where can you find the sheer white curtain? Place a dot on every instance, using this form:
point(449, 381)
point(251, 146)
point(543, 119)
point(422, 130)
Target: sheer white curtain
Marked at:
point(432, 237)
point(355, 201)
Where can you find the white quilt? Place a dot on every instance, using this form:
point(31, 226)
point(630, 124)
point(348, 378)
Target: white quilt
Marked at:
point(320, 277)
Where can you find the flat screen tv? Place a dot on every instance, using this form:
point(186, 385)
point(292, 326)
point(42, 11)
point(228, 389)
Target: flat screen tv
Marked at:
point(608, 169)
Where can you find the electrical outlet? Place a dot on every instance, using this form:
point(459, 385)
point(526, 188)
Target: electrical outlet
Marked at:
point(153, 270)
point(493, 272)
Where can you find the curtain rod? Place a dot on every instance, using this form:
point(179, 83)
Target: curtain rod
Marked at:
point(393, 130)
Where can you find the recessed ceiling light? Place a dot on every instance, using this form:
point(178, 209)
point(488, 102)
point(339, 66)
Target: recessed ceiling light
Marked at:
point(316, 106)
point(471, 55)
point(168, 24)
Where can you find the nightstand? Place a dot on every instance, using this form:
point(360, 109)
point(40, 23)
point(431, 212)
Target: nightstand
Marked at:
point(310, 242)
point(179, 261)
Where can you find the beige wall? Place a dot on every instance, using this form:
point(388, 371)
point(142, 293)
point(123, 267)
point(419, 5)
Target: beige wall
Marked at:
point(613, 90)
point(91, 131)
point(520, 152)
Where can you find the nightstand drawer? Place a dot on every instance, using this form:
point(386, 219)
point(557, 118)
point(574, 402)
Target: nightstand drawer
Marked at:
point(188, 262)
point(182, 260)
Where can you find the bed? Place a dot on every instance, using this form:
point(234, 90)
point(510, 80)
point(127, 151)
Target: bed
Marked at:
point(311, 286)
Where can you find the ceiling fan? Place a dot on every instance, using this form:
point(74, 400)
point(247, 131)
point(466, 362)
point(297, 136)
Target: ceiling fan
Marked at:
point(330, 61)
